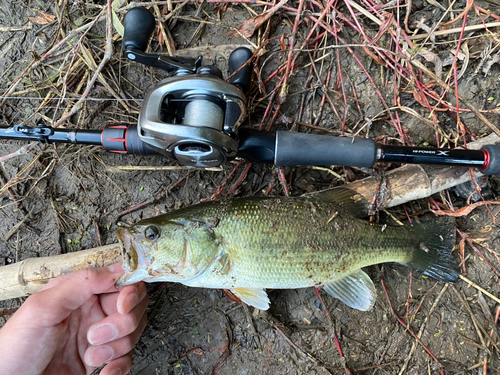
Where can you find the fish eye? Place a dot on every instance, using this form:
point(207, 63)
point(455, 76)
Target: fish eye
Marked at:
point(152, 233)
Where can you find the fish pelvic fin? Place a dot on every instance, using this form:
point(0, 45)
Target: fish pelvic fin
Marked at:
point(253, 296)
point(436, 239)
point(356, 290)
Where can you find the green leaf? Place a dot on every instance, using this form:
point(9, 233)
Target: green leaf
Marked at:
point(117, 23)
point(115, 5)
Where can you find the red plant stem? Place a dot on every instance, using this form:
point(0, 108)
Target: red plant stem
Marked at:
point(269, 105)
point(335, 335)
point(281, 175)
point(339, 68)
point(271, 184)
point(398, 128)
point(240, 179)
point(221, 187)
point(289, 64)
point(407, 328)
point(487, 12)
point(469, 242)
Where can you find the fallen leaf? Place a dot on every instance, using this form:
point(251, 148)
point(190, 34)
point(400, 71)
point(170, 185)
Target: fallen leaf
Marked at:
point(248, 28)
point(463, 211)
point(42, 18)
point(433, 58)
point(469, 5)
point(282, 42)
point(160, 38)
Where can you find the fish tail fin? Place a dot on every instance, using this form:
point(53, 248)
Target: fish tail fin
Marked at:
point(436, 239)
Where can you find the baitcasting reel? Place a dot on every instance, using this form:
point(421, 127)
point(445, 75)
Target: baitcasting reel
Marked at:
point(191, 116)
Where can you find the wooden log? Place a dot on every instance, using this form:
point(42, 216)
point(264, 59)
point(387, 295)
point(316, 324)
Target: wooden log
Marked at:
point(29, 276)
point(407, 183)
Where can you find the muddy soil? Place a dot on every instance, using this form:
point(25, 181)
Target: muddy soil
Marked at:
point(72, 198)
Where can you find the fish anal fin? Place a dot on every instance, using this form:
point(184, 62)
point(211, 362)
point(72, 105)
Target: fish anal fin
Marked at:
point(255, 297)
point(356, 290)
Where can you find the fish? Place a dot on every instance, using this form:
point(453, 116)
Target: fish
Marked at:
point(248, 245)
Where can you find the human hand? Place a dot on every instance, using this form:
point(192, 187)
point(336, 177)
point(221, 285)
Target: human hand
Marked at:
point(77, 323)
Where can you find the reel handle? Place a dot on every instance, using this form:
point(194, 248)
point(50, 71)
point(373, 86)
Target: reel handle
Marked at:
point(238, 58)
point(138, 24)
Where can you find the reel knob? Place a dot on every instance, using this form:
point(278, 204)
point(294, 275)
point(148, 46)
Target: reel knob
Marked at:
point(138, 25)
point(236, 60)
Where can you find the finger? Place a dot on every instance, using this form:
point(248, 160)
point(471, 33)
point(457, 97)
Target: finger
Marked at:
point(117, 325)
point(130, 296)
point(98, 355)
point(51, 306)
point(119, 366)
point(114, 268)
point(108, 303)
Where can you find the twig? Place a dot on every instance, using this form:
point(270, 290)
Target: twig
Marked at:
point(496, 299)
point(301, 351)
point(443, 84)
point(334, 329)
point(161, 168)
point(457, 30)
point(106, 57)
point(422, 328)
point(21, 151)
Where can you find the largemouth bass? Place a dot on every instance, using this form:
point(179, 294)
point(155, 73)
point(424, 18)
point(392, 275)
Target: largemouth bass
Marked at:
point(250, 244)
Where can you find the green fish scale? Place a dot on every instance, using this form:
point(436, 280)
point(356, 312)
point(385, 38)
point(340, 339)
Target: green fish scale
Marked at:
point(290, 243)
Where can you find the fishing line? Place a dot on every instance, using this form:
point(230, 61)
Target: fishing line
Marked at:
point(73, 99)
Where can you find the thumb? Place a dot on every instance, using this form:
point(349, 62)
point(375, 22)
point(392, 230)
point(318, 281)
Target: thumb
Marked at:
point(68, 292)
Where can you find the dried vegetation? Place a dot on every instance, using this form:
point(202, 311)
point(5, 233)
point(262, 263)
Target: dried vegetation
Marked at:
point(402, 72)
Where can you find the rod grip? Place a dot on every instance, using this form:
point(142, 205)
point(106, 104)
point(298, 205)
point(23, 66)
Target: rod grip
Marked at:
point(311, 149)
point(492, 160)
point(138, 26)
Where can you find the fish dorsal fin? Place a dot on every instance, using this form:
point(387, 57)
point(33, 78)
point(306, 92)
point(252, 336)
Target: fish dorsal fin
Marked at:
point(255, 297)
point(356, 290)
point(346, 198)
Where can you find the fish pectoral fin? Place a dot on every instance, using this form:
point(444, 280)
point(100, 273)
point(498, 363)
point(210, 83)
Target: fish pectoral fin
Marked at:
point(356, 290)
point(253, 296)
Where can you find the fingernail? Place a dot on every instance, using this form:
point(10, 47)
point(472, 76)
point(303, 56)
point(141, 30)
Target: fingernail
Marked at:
point(129, 303)
point(115, 268)
point(115, 371)
point(100, 355)
point(103, 333)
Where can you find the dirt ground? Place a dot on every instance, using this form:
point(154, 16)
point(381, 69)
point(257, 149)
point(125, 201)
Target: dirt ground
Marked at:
point(66, 198)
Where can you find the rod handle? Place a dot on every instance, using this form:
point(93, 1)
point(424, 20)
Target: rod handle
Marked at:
point(312, 149)
point(138, 24)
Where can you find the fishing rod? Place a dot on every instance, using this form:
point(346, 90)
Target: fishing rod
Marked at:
point(194, 117)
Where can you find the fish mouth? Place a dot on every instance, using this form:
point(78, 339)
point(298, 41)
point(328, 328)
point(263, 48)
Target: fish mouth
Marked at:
point(134, 261)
